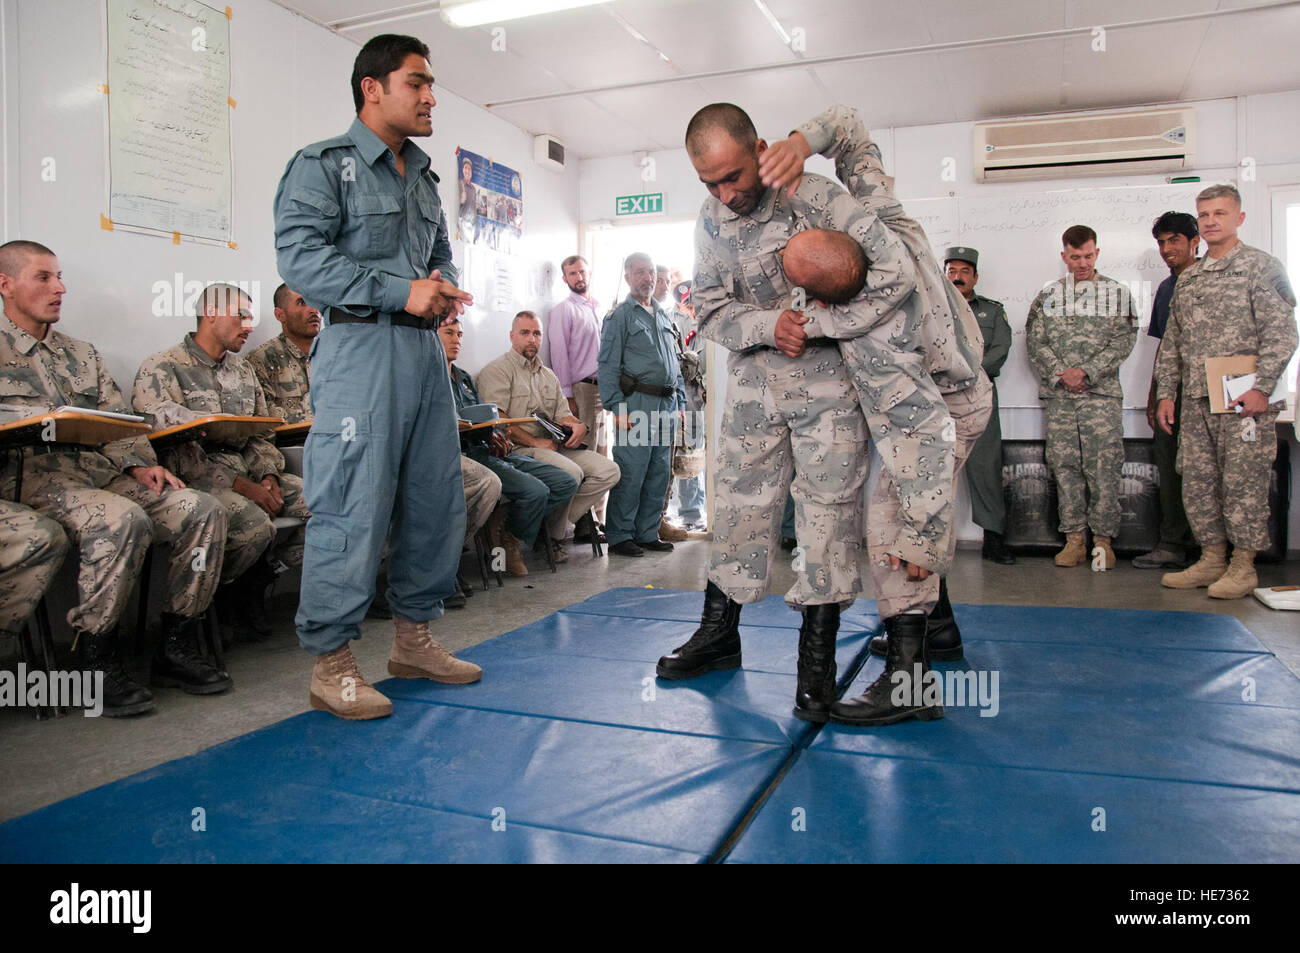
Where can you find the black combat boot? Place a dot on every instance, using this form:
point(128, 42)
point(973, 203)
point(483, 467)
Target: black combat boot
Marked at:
point(179, 663)
point(816, 690)
point(944, 643)
point(715, 644)
point(906, 653)
point(122, 694)
point(258, 582)
point(995, 549)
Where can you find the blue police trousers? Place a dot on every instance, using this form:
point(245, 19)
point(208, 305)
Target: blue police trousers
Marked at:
point(643, 453)
point(382, 461)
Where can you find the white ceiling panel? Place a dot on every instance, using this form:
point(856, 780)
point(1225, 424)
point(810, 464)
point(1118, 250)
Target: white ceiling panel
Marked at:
point(573, 55)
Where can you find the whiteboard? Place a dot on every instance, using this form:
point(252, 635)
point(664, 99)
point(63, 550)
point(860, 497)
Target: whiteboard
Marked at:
point(169, 118)
point(1018, 238)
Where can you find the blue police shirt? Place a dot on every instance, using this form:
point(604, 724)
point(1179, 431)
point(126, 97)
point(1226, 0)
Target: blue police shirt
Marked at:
point(351, 232)
point(1160, 307)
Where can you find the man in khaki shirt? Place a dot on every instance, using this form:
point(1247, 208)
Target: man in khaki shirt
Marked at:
point(520, 385)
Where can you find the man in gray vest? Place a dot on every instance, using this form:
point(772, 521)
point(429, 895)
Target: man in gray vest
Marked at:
point(984, 467)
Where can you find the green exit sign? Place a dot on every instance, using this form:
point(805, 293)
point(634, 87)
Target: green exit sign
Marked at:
point(651, 204)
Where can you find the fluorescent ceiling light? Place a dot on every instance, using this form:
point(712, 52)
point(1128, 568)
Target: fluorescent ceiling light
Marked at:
point(479, 12)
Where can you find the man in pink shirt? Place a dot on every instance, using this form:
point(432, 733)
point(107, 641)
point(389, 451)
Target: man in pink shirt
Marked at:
point(574, 330)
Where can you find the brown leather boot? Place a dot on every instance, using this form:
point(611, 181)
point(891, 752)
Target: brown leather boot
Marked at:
point(1240, 579)
point(1205, 571)
point(338, 687)
point(670, 533)
point(416, 655)
point(1107, 554)
point(514, 558)
point(1074, 552)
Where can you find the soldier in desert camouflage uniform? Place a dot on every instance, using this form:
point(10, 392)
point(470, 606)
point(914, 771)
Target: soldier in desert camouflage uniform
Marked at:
point(188, 381)
point(1079, 330)
point(931, 347)
point(784, 414)
point(283, 364)
point(32, 548)
point(113, 502)
point(1235, 300)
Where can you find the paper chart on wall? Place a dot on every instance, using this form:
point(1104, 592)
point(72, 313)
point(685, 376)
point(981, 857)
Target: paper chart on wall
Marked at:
point(169, 118)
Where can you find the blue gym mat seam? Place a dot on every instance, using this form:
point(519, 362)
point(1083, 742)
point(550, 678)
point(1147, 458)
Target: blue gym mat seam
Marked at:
point(1046, 770)
point(532, 825)
point(588, 721)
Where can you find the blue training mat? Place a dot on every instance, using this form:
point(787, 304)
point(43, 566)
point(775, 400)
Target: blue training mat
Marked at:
point(1179, 728)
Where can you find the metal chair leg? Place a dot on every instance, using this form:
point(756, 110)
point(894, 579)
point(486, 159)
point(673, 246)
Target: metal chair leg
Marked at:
point(212, 635)
point(44, 635)
point(142, 613)
point(27, 656)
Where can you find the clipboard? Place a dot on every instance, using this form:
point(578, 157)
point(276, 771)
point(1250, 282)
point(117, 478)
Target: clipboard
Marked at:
point(1216, 369)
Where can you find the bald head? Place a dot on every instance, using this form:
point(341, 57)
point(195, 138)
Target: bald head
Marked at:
point(718, 119)
point(829, 266)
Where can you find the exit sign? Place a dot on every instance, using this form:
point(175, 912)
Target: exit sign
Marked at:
point(651, 204)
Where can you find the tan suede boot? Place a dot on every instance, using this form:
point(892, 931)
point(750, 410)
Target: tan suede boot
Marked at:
point(1107, 554)
point(1205, 571)
point(514, 558)
point(1240, 579)
point(338, 687)
point(1074, 552)
point(670, 533)
point(416, 655)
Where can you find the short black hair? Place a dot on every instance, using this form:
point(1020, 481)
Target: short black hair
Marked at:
point(1176, 223)
point(14, 254)
point(725, 117)
point(380, 56)
point(1076, 236)
point(281, 296)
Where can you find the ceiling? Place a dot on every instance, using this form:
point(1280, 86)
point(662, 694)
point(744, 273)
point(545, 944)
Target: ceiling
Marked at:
point(626, 76)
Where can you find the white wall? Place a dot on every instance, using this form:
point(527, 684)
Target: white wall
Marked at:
point(290, 79)
point(1262, 128)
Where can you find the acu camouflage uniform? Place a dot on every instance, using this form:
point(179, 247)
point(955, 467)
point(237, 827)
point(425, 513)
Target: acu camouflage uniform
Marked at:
point(284, 373)
point(1240, 304)
point(32, 548)
point(1091, 325)
point(109, 516)
point(785, 414)
point(918, 373)
point(183, 383)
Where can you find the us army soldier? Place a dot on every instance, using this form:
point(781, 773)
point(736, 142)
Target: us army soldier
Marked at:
point(113, 502)
point(1079, 330)
point(1235, 300)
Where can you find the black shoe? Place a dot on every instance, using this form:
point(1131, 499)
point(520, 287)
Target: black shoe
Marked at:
point(656, 545)
point(456, 600)
point(178, 663)
point(788, 543)
point(943, 637)
point(122, 695)
point(715, 644)
point(584, 528)
point(906, 654)
point(258, 582)
point(627, 548)
point(379, 607)
point(816, 690)
point(995, 549)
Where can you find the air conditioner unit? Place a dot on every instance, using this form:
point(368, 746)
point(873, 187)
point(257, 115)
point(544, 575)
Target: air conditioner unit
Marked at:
point(549, 152)
point(1153, 140)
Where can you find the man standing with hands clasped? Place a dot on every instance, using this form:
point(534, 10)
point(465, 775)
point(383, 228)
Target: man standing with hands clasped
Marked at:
point(1235, 300)
point(361, 233)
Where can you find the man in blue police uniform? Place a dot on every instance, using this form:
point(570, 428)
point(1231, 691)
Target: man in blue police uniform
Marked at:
point(360, 232)
point(641, 382)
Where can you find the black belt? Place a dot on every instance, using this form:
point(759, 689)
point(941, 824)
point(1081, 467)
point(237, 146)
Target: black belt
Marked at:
point(589, 380)
point(626, 382)
point(402, 319)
